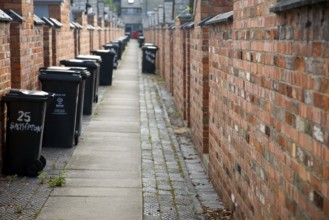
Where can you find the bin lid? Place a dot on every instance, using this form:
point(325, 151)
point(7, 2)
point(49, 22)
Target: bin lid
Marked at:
point(68, 76)
point(103, 52)
point(118, 41)
point(90, 57)
point(83, 71)
point(92, 64)
point(27, 95)
point(149, 44)
point(153, 47)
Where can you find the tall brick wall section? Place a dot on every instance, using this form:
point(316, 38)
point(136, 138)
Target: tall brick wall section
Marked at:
point(179, 68)
point(5, 75)
point(94, 40)
point(47, 45)
point(84, 43)
point(4, 57)
point(64, 35)
point(199, 107)
point(187, 62)
point(222, 110)
point(168, 58)
point(269, 154)
point(23, 66)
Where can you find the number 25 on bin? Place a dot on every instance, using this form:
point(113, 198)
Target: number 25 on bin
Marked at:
point(24, 116)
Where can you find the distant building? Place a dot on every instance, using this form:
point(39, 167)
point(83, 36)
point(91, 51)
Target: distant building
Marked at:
point(131, 13)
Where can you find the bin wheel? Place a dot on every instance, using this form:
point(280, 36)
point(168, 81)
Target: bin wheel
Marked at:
point(43, 161)
point(76, 140)
point(34, 168)
point(96, 98)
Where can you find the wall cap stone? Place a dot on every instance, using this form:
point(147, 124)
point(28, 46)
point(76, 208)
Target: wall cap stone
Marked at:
point(4, 17)
point(15, 16)
point(56, 22)
point(48, 22)
point(37, 20)
point(220, 18)
point(90, 27)
point(202, 22)
point(48, 2)
point(77, 25)
point(285, 5)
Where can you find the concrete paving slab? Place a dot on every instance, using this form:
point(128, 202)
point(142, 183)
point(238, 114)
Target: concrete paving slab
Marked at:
point(87, 208)
point(114, 182)
point(103, 174)
point(97, 192)
point(97, 161)
point(117, 126)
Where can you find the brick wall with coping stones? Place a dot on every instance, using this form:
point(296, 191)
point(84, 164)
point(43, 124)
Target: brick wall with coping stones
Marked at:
point(82, 19)
point(23, 66)
point(269, 112)
point(94, 44)
point(179, 68)
point(199, 108)
point(61, 36)
point(101, 33)
point(187, 103)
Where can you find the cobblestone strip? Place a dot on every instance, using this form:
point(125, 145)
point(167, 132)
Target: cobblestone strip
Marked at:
point(175, 185)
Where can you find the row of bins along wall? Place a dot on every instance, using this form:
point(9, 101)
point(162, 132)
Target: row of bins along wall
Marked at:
point(53, 117)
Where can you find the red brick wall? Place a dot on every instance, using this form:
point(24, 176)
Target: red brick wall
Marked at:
point(47, 45)
point(187, 63)
point(168, 58)
point(179, 68)
point(4, 57)
point(101, 34)
point(62, 36)
point(199, 107)
point(24, 68)
point(81, 18)
point(5, 75)
point(222, 109)
point(269, 112)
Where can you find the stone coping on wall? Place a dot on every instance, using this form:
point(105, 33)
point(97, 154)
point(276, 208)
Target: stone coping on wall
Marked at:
point(203, 21)
point(225, 17)
point(48, 22)
point(15, 16)
point(56, 22)
point(37, 20)
point(186, 25)
point(48, 1)
point(77, 25)
point(4, 17)
point(292, 4)
point(90, 27)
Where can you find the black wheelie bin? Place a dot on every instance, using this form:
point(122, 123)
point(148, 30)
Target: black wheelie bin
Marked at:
point(114, 48)
point(120, 49)
point(26, 110)
point(149, 58)
point(89, 95)
point(85, 74)
point(106, 70)
point(98, 59)
point(61, 114)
